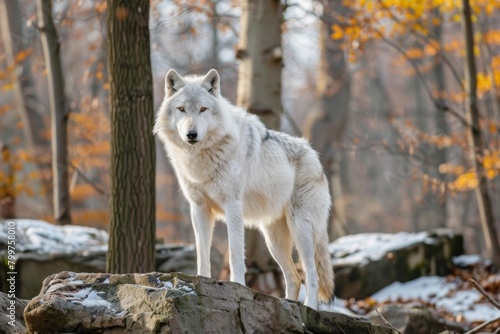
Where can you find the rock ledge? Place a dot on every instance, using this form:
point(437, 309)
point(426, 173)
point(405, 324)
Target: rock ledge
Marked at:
point(173, 303)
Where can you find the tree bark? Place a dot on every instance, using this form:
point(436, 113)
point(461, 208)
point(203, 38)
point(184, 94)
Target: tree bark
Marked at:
point(259, 91)
point(15, 42)
point(476, 145)
point(58, 113)
point(260, 54)
point(214, 57)
point(132, 227)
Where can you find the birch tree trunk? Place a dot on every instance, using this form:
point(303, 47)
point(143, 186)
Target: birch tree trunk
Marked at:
point(259, 91)
point(132, 227)
point(260, 54)
point(476, 145)
point(15, 42)
point(58, 113)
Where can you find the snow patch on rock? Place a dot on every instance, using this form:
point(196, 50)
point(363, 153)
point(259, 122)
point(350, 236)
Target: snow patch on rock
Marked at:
point(43, 238)
point(364, 247)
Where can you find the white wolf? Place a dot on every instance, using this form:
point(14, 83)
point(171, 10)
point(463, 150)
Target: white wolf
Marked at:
point(230, 166)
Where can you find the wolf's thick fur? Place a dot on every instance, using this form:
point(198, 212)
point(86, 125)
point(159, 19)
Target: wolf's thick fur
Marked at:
point(230, 166)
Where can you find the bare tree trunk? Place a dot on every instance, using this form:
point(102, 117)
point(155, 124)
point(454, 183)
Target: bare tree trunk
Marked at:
point(420, 218)
point(326, 125)
point(132, 227)
point(259, 90)
point(58, 112)
point(439, 156)
point(15, 42)
point(214, 57)
point(260, 54)
point(476, 145)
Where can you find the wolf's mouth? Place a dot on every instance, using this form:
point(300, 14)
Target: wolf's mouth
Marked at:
point(192, 142)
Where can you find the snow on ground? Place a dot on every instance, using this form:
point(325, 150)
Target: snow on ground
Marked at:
point(426, 288)
point(466, 260)
point(41, 237)
point(447, 296)
point(360, 248)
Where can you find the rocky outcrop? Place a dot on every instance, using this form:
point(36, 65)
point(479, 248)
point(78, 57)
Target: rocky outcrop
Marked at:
point(32, 268)
point(43, 249)
point(11, 314)
point(365, 263)
point(173, 303)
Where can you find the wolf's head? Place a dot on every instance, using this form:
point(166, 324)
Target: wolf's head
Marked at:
point(190, 107)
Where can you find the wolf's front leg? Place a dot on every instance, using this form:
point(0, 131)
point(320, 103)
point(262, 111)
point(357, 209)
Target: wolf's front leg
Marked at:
point(236, 235)
point(203, 225)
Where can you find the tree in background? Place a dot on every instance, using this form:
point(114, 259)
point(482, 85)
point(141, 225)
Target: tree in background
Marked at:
point(132, 225)
point(17, 53)
point(325, 126)
point(259, 91)
point(475, 140)
point(260, 54)
point(58, 113)
point(433, 204)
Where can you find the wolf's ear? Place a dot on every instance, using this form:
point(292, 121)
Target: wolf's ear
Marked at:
point(211, 82)
point(173, 82)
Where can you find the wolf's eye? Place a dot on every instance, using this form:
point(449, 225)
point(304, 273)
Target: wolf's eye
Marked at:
point(202, 109)
point(181, 109)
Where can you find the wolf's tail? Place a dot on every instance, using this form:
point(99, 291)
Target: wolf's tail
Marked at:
point(324, 269)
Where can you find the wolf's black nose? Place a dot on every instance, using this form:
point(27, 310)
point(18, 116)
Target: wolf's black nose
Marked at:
point(192, 135)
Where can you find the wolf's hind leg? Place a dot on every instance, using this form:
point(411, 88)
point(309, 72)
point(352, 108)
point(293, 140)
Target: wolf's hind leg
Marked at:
point(280, 244)
point(302, 231)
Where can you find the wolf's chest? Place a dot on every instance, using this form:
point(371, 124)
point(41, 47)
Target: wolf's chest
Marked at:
point(210, 167)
